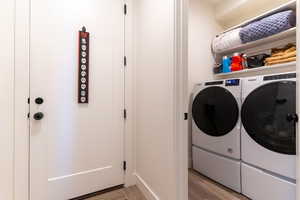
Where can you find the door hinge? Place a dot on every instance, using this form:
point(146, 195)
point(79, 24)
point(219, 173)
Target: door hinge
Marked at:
point(125, 61)
point(125, 114)
point(28, 115)
point(125, 9)
point(28, 100)
point(186, 116)
point(124, 165)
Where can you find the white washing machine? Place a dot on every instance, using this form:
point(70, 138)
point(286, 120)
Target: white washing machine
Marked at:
point(268, 137)
point(216, 131)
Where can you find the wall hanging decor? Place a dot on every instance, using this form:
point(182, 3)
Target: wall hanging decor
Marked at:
point(83, 60)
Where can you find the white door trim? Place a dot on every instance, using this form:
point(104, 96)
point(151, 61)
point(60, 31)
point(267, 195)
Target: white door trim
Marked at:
point(129, 100)
point(298, 101)
point(7, 86)
point(21, 154)
point(181, 99)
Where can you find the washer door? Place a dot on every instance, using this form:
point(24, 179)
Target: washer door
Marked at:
point(265, 116)
point(215, 111)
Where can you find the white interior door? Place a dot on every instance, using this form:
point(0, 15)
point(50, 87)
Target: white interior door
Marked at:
point(76, 148)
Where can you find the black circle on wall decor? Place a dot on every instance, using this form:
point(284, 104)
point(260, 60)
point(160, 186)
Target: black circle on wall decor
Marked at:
point(215, 111)
point(265, 115)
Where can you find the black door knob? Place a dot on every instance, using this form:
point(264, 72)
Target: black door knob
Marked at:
point(39, 100)
point(292, 118)
point(38, 116)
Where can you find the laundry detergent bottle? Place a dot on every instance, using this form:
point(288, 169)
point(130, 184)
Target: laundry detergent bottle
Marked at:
point(226, 64)
point(237, 62)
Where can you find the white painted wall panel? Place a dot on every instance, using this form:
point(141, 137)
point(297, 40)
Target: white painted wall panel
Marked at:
point(154, 82)
point(202, 29)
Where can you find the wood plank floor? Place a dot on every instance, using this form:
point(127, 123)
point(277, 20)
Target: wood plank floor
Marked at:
point(202, 188)
point(130, 193)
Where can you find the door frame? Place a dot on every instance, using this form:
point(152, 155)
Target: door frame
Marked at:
point(22, 91)
point(129, 132)
point(21, 132)
point(180, 153)
point(298, 100)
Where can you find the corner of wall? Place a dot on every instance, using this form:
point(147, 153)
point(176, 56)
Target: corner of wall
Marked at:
point(145, 188)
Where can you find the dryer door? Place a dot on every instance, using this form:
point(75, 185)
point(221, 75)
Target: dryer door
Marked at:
point(215, 111)
point(265, 116)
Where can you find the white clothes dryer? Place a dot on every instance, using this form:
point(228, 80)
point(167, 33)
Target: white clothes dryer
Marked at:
point(216, 131)
point(268, 137)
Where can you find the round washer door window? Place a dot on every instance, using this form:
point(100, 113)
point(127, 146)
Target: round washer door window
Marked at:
point(265, 116)
point(215, 111)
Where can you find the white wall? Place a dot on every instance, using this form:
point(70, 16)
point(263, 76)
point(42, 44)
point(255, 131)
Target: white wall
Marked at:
point(202, 28)
point(6, 99)
point(154, 96)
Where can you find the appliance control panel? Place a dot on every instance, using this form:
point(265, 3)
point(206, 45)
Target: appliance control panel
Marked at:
point(214, 83)
point(280, 76)
point(232, 82)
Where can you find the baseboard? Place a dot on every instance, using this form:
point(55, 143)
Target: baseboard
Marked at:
point(145, 188)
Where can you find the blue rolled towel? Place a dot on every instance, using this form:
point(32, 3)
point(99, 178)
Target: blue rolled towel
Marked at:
point(268, 26)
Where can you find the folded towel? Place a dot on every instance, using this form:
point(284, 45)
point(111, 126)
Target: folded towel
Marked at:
point(282, 55)
point(227, 40)
point(282, 51)
point(268, 26)
point(287, 55)
point(282, 61)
